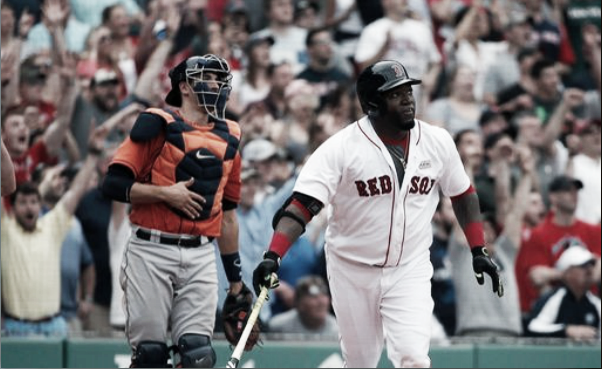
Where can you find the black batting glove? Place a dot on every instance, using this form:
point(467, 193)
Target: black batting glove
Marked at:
point(482, 263)
point(262, 275)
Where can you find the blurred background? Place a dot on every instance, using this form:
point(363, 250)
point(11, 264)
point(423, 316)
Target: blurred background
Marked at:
point(515, 82)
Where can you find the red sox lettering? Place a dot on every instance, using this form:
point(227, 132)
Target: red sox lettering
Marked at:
point(421, 185)
point(382, 185)
point(374, 186)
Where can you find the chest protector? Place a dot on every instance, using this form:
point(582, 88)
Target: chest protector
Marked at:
point(205, 154)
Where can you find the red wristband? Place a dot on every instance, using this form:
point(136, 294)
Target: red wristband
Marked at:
point(280, 244)
point(474, 234)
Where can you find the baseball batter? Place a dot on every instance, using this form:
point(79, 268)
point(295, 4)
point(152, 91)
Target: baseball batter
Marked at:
point(180, 170)
point(382, 176)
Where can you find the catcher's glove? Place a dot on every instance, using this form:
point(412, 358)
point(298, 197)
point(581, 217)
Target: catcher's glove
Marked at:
point(235, 313)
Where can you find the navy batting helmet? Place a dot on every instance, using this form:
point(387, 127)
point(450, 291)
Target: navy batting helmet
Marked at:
point(378, 78)
point(192, 71)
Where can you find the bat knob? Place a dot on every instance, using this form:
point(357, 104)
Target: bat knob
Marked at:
point(232, 363)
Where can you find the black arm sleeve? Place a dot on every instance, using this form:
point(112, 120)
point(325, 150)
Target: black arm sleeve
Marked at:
point(228, 205)
point(118, 183)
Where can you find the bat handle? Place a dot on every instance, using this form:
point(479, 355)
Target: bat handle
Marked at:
point(232, 363)
point(236, 355)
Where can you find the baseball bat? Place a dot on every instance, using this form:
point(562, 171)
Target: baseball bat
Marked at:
point(240, 346)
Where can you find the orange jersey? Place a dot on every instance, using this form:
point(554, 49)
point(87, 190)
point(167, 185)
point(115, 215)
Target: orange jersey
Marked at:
point(208, 154)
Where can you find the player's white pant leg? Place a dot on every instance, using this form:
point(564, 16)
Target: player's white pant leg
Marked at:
point(146, 273)
point(407, 309)
point(355, 291)
point(196, 288)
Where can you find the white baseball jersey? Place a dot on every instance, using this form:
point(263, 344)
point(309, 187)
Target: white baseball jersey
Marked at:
point(372, 220)
point(378, 237)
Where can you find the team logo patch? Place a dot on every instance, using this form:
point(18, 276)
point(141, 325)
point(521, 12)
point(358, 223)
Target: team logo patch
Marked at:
point(425, 164)
point(200, 156)
point(398, 71)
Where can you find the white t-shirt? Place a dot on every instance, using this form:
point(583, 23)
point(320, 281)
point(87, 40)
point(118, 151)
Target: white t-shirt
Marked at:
point(479, 59)
point(247, 93)
point(371, 219)
point(412, 44)
point(288, 46)
point(588, 171)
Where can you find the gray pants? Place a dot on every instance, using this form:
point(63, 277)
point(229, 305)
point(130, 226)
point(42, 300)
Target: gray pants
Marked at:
point(168, 287)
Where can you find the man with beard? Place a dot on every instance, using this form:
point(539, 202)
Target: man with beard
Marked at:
point(322, 71)
point(77, 266)
point(31, 250)
point(382, 175)
point(16, 136)
point(103, 103)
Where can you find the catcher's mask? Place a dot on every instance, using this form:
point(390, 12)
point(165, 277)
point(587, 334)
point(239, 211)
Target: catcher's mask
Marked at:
point(211, 92)
point(378, 78)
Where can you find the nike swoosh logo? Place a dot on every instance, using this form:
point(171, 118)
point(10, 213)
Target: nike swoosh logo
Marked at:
point(203, 157)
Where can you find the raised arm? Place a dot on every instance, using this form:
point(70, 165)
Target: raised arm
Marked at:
point(501, 157)
point(55, 133)
point(571, 98)
point(380, 54)
point(8, 173)
point(10, 75)
point(55, 18)
point(143, 88)
point(519, 204)
point(591, 43)
point(80, 183)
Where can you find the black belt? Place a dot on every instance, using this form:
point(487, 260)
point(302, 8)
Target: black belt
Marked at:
point(194, 241)
point(45, 319)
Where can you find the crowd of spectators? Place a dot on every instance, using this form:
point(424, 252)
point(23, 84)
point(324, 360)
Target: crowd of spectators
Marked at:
point(515, 82)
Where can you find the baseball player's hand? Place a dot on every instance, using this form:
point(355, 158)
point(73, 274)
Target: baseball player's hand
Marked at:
point(482, 263)
point(263, 273)
point(181, 198)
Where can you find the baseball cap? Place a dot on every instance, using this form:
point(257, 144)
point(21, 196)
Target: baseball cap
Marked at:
point(104, 77)
point(312, 285)
point(259, 150)
point(574, 256)
point(306, 4)
point(564, 183)
point(258, 38)
point(236, 6)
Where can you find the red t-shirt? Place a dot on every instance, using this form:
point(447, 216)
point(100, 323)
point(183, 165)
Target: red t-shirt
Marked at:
point(544, 247)
point(26, 164)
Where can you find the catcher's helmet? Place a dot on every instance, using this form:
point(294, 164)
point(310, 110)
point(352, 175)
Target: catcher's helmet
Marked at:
point(192, 71)
point(378, 78)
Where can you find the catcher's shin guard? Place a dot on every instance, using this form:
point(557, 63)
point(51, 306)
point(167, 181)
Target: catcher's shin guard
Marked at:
point(196, 351)
point(151, 354)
